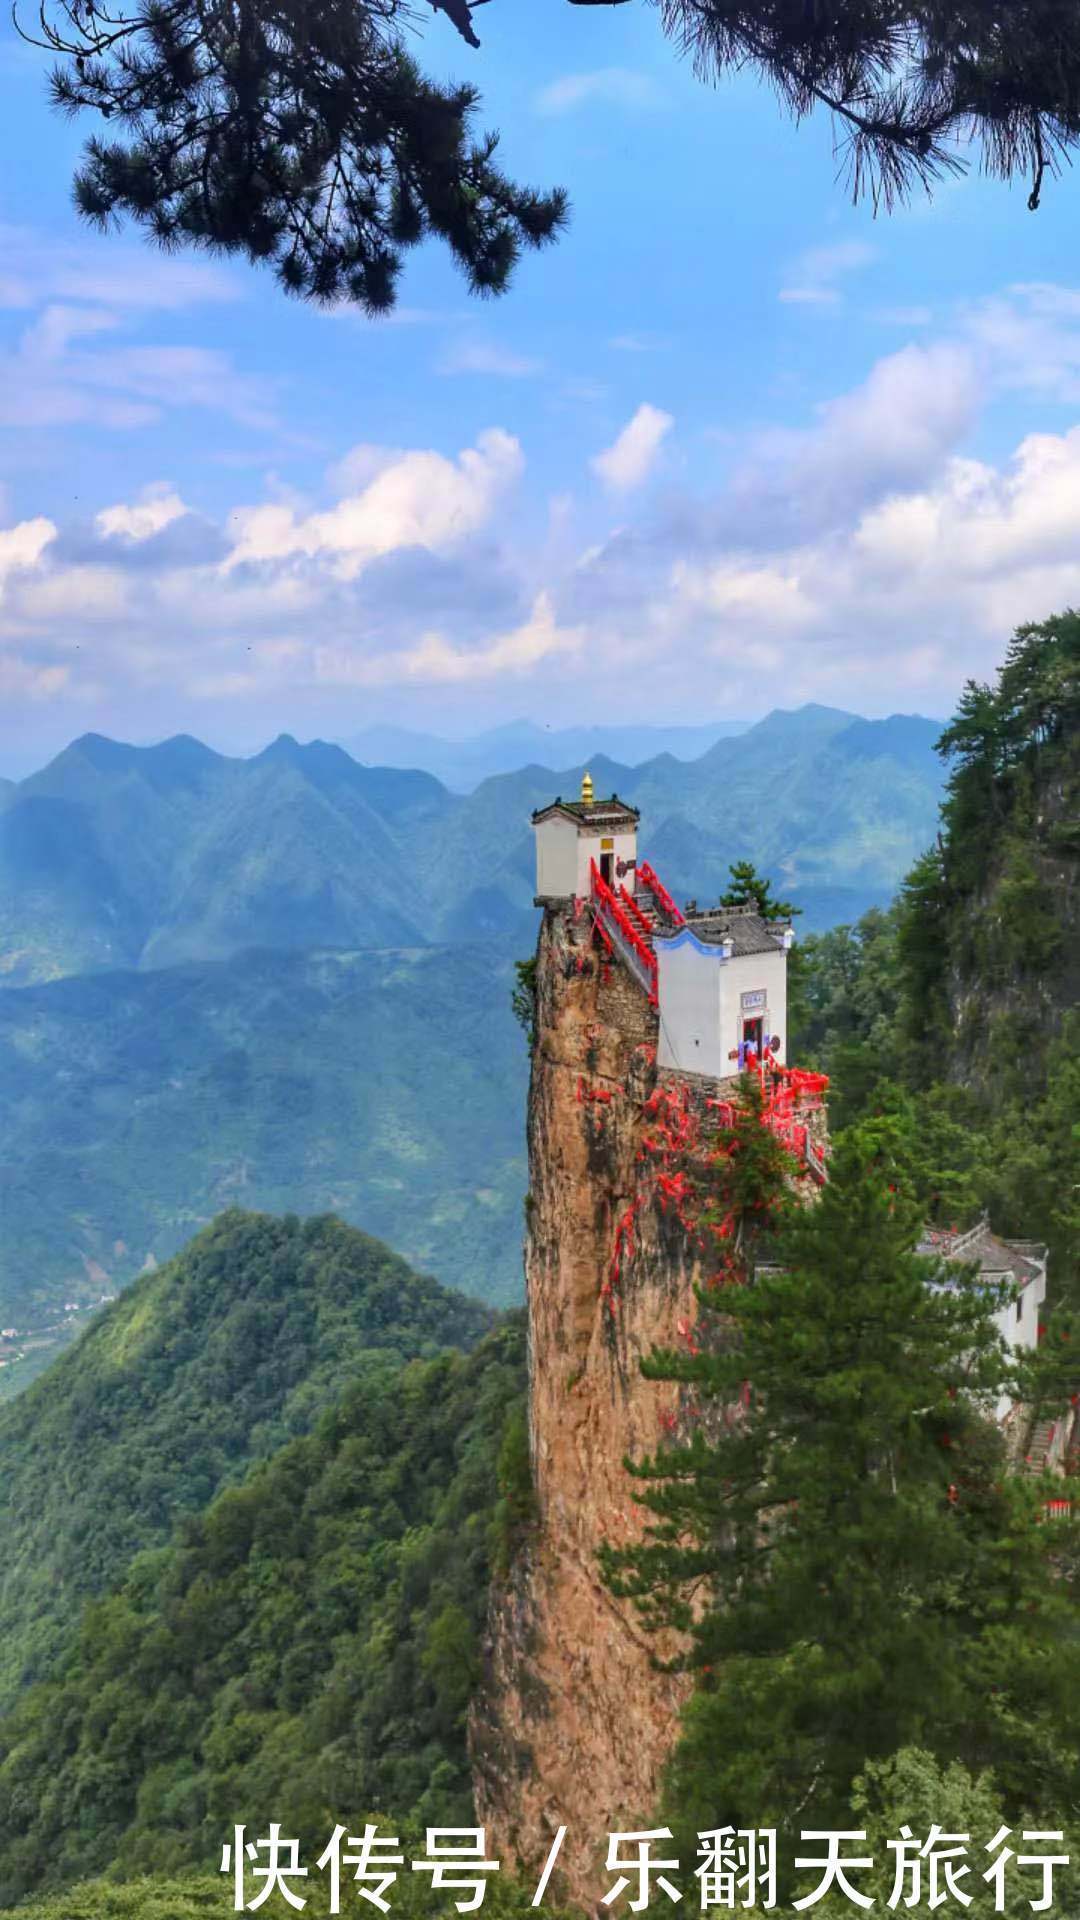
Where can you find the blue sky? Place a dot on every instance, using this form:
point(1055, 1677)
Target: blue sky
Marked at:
point(731, 444)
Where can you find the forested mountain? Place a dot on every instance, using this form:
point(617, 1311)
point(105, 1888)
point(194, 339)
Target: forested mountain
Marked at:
point(296, 1520)
point(205, 1896)
point(959, 1008)
point(116, 856)
point(199, 1369)
point(310, 1645)
point(121, 856)
point(176, 1034)
point(387, 1087)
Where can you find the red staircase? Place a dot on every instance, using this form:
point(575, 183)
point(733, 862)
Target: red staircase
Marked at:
point(624, 929)
point(654, 899)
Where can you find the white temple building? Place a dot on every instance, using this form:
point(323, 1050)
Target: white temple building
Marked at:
point(717, 976)
point(1019, 1266)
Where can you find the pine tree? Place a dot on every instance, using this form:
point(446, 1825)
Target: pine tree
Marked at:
point(749, 888)
point(910, 83)
point(838, 1536)
point(300, 134)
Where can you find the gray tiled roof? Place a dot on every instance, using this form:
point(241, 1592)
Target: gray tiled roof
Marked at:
point(748, 932)
point(1018, 1260)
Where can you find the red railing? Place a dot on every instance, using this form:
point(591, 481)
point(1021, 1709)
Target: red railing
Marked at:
point(659, 892)
point(797, 1090)
point(632, 904)
point(612, 918)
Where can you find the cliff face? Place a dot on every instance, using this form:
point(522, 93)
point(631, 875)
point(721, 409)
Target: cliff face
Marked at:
point(574, 1722)
point(1014, 933)
point(989, 925)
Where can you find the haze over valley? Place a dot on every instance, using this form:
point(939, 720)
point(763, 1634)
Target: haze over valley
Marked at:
point(284, 982)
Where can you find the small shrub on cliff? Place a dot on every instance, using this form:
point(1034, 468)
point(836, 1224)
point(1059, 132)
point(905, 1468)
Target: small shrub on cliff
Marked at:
point(523, 997)
point(516, 1505)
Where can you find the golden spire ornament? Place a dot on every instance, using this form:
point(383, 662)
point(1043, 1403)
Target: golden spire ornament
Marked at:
point(587, 790)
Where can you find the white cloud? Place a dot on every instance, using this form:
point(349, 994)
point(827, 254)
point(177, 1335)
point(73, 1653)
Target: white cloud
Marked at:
point(72, 593)
point(892, 431)
point(157, 507)
point(105, 273)
point(916, 591)
point(434, 660)
point(865, 558)
point(62, 371)
point(814, 275)
point(59, 325)
point(27, 680)
point(486, 357)
point(913, 406)
point(164, 377)
point(1028, 338)
point(22, 547)
point(50, 381)
point(631, 457)
point(420, 500)
point(608, 86)
point(770, 596)
point(357, 468)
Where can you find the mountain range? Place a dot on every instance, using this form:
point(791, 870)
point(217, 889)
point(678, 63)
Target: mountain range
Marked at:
point(116, 856)
point(284, 982)
point(462, 764)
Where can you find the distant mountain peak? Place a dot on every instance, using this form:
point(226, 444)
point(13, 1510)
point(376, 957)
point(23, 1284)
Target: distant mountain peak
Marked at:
point(101, 752)
point(798, 719)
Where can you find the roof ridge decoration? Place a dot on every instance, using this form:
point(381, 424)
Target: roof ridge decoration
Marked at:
point(594, 810)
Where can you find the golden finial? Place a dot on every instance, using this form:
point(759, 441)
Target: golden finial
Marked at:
point(586, 790)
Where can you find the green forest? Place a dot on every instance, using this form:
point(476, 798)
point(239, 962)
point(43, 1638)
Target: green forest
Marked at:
point(309, 1642)
point(196, 1372)
point(958, 1009)
point(279, 1474)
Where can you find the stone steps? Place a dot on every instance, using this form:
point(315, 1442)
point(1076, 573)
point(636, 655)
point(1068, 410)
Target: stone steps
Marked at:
point(1038, 1447)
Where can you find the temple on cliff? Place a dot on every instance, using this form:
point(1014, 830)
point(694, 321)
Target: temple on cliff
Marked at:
point(716, 979)
point(717, 976)
point(644, 1013)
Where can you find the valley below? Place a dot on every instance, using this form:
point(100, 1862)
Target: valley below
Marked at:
point(285, 982)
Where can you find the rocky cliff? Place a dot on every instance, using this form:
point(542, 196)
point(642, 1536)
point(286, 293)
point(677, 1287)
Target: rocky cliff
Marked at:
point(575, 1718)
point(990, 920)
point(575, 1721)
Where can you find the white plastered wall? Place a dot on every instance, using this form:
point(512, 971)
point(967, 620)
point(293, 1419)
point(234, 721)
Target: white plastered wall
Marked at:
point(592, 843)
point(1018, 1323)
point(565, 849)
point(556, 858)
point(689, 1004)
point(753, 974)
point(700, 1003)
